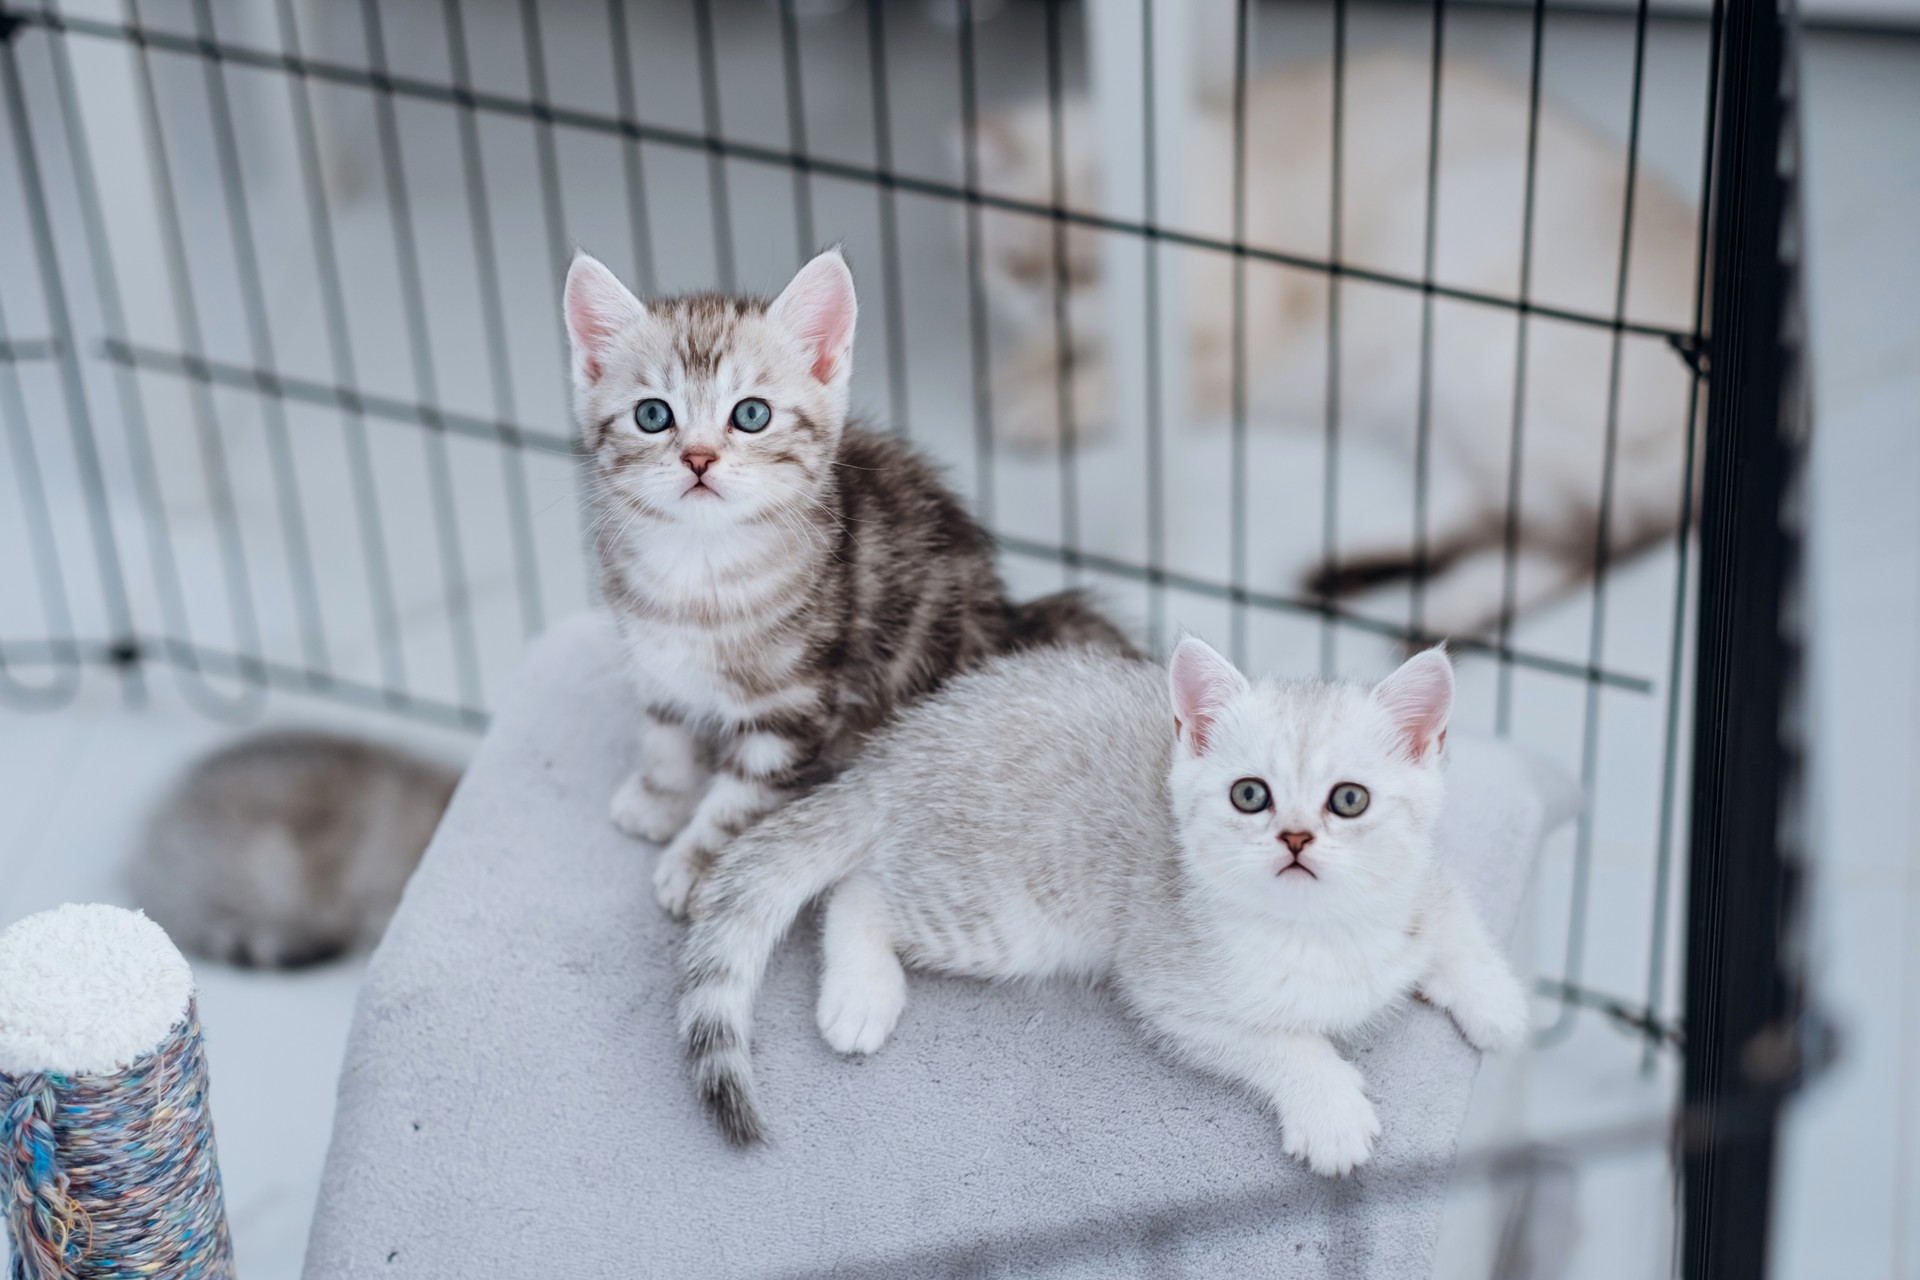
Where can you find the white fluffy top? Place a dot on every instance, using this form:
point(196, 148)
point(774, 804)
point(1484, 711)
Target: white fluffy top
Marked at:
point(86, 989)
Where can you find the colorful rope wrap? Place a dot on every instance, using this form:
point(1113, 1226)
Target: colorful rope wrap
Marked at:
point(106, 1177)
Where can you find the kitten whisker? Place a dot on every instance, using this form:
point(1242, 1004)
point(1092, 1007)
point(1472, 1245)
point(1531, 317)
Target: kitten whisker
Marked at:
point(591, 492)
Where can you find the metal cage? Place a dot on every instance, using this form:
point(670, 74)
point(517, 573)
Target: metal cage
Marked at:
point(283, 380)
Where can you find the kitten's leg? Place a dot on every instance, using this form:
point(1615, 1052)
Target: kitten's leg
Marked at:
point(1470, 978)
point(757, 772)
point(658, 798)
point(730, 806)
point(1325, 1118)
point(863, 989)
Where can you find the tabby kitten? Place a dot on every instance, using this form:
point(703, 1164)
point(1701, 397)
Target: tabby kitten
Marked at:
point(783, 580)
point(1253, 869)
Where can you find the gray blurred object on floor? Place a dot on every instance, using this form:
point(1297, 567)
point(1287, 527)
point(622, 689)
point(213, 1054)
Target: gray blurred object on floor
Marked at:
point(289, 847)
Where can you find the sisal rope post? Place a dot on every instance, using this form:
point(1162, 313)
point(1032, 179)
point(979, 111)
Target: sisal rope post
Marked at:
point(107, 1162)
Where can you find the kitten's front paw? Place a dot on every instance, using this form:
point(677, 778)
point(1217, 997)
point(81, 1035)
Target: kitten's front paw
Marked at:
point(859, 1010)
point(646, 814)
point(674, 878)
point(1333, 1130)
point(1494, 1018)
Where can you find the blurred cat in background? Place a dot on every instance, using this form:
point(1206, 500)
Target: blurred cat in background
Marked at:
point(288, 847)
point(1578, 197)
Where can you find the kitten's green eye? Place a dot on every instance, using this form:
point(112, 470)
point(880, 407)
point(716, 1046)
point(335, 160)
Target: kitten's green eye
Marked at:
point(1249, 795)
point(752, 415)
point(1349, 799)
point(652, 416)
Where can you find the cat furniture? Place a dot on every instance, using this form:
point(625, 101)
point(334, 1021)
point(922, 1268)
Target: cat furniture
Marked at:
point(513, 1100)
point(107, 1161)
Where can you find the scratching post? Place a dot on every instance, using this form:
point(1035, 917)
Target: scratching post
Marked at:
point(107, 1164)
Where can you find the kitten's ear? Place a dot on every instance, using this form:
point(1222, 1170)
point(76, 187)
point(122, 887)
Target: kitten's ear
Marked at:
point(1419, 697)
point(598, 309)
point(1202, 683)
point(818, 307)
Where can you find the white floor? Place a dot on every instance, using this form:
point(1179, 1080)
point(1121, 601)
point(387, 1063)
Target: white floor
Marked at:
point(74, 784)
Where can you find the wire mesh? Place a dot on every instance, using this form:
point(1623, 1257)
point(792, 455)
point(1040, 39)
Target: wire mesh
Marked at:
point(283, 323)
point(260, 372)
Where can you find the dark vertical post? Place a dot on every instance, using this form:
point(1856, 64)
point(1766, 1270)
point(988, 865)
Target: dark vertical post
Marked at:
point(1237, 386)
point(1677, 644)
point(889, 196)
point(1064, 373)
point(1742, 1047)
point(979, 346)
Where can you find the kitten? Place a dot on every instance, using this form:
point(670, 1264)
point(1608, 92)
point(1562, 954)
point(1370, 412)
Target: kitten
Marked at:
point(1578, 193)
point(782, 579)
point(1253, 869)
point(289, 847)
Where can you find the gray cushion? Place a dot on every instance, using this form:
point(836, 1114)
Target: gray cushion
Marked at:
point(513, 1102)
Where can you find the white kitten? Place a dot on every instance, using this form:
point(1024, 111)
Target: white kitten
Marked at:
point(1255, 873)
point(1578, 197)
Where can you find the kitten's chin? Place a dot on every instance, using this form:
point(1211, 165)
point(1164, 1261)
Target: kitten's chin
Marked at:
point(707, 505)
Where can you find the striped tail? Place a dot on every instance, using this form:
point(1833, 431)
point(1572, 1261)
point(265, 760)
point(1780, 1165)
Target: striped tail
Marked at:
point(1066, 618)
point(740, 913)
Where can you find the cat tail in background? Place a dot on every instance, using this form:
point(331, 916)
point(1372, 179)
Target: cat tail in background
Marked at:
point(740, 912)
point(1066, 618)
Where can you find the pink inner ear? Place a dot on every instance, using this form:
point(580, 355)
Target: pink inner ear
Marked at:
point(598, 308)
point(1419, 697)
point(834, 329)
point(1201, 682)
point(820, 307)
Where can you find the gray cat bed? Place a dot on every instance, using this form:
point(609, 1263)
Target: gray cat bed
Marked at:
point(513, 1101)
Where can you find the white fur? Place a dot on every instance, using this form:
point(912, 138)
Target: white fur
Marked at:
point(1045, 817)
point(863, 989)
point(1483, 147)
point(765, 752)
point(87, 989)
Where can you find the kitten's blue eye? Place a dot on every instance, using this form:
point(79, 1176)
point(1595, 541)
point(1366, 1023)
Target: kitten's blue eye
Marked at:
point(1349, 799)
point(752, 415)
point(652, 416)
point(1249, 795)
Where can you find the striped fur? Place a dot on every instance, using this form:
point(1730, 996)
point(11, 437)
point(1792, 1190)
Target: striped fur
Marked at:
point(742, 912)
point(779, 604)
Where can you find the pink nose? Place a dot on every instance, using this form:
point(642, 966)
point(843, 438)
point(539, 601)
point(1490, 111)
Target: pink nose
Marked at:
point(1296, 840)
point(698, 460)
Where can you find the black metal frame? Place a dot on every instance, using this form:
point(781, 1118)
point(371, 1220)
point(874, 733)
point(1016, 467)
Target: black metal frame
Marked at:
point(1741, 967)
point(1749, 1037)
